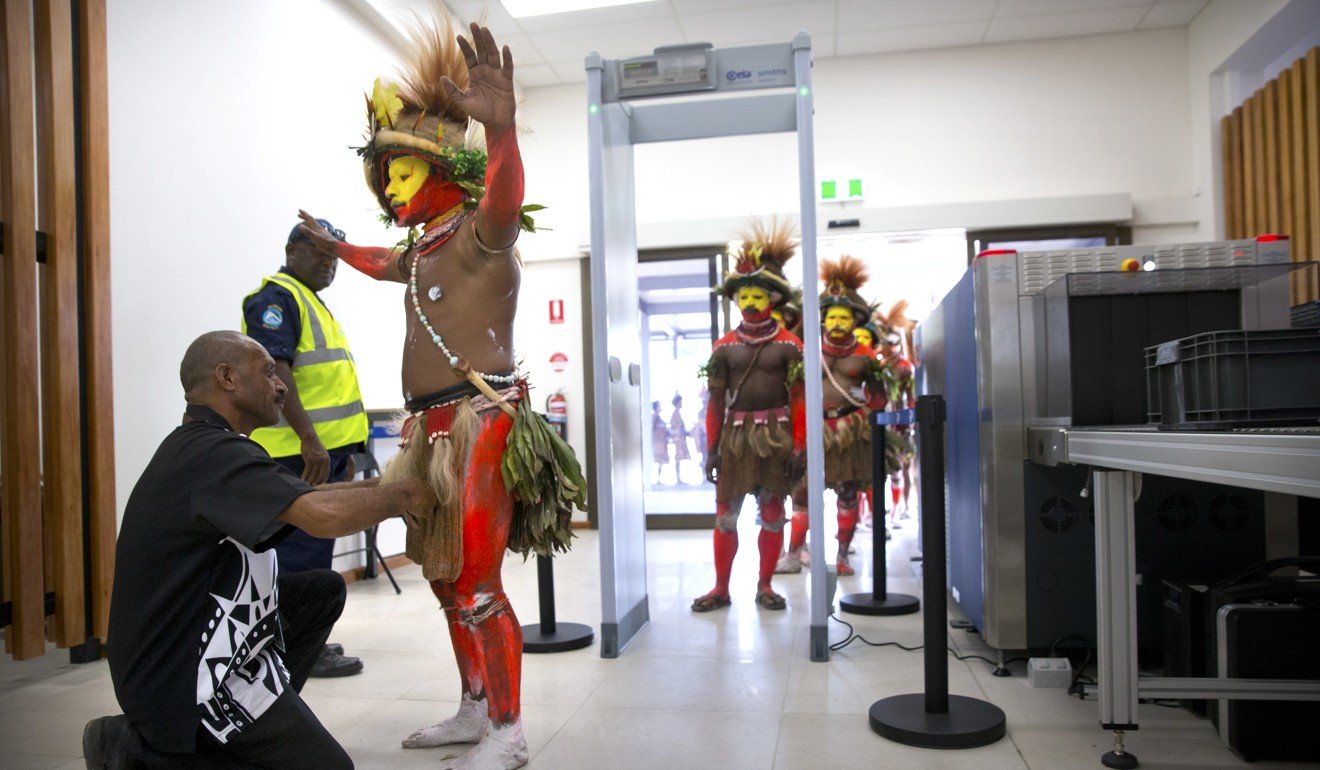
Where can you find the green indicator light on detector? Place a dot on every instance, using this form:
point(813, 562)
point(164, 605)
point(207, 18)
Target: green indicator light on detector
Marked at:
point(803, 91)
point(593, 109)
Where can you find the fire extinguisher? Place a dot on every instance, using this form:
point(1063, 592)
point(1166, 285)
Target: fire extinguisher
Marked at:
point(556, 408)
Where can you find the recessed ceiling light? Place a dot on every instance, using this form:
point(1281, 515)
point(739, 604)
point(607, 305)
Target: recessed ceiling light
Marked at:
point(523, 8)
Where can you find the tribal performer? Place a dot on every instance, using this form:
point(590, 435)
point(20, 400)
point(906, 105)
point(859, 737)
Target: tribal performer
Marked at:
point(895, 334)
point(852, 387)
point(502, 476)
point(755, 424)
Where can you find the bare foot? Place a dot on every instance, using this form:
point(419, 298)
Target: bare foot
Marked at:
point(467, 726)
point(503, 747)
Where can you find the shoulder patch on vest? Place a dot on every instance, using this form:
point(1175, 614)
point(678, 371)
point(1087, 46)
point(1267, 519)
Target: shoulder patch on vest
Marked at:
point(273, 318)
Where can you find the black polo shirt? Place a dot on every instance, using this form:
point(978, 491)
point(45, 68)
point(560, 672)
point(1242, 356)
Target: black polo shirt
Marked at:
point(194, 632)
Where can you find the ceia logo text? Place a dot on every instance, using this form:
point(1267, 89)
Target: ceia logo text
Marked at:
point(735, 75)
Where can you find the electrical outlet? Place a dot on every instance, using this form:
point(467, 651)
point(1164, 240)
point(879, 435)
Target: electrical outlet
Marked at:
point(1049, 672)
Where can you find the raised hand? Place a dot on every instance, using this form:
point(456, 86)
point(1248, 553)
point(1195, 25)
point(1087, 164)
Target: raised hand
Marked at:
point(489, 97)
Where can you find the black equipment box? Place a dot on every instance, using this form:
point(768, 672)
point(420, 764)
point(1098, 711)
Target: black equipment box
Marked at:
point(1263, 627)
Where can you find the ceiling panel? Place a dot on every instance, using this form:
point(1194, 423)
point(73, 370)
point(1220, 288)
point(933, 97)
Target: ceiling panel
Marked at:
point(1007, 8)
point(910, 38)
point(777, 22)
point(1065, 24)
point(550, 48)
point(612, 40)
point(1172, 14)
point(861, 15)
point(623, 14)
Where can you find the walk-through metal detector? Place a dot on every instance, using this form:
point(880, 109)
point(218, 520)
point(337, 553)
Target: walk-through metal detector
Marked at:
point(702, 94)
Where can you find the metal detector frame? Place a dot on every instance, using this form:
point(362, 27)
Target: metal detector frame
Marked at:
point(614, 125)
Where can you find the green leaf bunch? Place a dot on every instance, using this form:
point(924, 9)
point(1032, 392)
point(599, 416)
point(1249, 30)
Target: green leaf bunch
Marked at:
point(543, 474)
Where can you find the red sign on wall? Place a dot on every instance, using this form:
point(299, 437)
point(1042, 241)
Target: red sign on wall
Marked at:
point(558, 362)
point(556, 311)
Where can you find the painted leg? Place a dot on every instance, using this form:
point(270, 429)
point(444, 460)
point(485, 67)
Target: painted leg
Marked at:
point(726, 547)
point(847, 507)
point(769, 543)
point(502, 745)
point(791, 561)
point(469, 724)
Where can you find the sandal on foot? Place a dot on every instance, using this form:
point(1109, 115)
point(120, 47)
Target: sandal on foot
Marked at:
point(844, 570)
point(768, 600)
point(708, 603)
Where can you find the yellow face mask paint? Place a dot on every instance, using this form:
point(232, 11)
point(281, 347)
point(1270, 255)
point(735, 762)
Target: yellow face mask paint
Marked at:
point(838, 319)
point(753, 299)
point(407, 175)
point(864, 336)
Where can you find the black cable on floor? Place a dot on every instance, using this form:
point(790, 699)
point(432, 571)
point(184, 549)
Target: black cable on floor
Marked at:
point(853, 636)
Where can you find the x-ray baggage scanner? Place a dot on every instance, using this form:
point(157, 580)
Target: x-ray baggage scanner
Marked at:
point(622, 111)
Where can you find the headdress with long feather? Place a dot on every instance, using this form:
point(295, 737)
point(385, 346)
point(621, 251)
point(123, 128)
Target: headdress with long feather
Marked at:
point(897, 323)
point(843, 278)
point(418, 117)
point(759, 260)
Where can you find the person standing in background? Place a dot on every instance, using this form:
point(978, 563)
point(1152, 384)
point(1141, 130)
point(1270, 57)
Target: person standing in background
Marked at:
point(324, 423)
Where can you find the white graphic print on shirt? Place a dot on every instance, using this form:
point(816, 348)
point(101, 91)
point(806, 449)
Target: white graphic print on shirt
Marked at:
point(240, 673)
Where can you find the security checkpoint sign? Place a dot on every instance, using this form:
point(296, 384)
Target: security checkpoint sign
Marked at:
point(558, 362)
point(556, 311)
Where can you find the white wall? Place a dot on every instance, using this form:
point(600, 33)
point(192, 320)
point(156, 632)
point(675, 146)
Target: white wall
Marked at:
point(1057, 118)
point(224, 120)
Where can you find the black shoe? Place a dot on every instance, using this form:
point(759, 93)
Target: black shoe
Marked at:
point(335, 649)
point(332, 665)
point(105, 741)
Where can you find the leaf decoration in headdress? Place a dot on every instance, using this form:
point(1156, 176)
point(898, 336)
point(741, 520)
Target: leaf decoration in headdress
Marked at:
point(385, 104)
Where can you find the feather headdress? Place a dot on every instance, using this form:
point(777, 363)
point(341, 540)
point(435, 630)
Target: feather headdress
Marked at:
point(897, 324)
point(418, 117)
point(843, 278)
point(763, 249)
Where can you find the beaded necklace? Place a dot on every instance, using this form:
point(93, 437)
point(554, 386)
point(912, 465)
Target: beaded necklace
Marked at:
point(454, 359)
point(747, 331)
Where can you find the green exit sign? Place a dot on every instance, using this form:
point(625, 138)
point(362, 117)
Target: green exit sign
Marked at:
point(838, 191)
point(829, 190)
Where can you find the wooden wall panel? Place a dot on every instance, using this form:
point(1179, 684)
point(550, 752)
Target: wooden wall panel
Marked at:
point(1230, 150)
point(19, 437)
point(96, 322)
point(1249, 188)
point(1311, 128)
point(61, 422)
point(1271, 157)
point(1269, 116)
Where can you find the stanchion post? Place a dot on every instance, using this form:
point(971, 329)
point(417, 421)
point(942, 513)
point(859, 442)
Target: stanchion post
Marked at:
point(549, 635)
point(934, 719)
point(879, 601)
point(930, 428)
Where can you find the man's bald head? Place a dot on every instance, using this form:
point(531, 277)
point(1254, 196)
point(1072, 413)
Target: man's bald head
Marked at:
point(209, 351)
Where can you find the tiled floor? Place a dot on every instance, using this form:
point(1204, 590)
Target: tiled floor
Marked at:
point(728, 689)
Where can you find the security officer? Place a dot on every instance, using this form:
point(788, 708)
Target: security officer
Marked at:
point(324, 422)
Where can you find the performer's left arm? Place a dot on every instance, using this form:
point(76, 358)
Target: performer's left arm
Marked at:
point(489, 99)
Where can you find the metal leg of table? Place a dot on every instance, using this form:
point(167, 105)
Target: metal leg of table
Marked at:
point(1116, 608)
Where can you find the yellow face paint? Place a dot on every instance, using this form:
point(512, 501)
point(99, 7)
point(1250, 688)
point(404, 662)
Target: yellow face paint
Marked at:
point(753, 299)
point(407, 174)
point(863, 336)
point(778, 315)
point(838, 319)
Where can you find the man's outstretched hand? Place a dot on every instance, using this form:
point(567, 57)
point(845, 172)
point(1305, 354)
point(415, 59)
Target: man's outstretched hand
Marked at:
point(317, 234)
point(489, 97)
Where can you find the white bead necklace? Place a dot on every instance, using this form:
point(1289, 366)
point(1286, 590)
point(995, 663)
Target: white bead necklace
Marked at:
point(454, 359)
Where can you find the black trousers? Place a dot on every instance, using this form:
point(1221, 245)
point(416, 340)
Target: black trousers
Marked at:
point(288, 734)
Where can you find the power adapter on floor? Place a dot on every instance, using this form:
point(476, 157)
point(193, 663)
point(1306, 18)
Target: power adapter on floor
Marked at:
point(1049, 672)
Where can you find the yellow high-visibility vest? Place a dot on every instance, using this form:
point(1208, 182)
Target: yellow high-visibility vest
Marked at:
point(324, 372)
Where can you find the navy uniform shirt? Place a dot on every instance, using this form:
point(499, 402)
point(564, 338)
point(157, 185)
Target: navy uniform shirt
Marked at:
point(272, 319)
point(194, 632)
